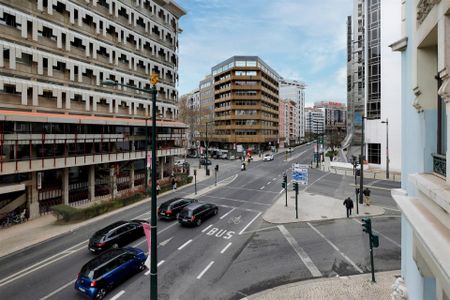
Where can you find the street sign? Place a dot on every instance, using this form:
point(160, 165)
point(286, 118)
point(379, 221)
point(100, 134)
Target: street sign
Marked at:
point(357, 119)
point(300, 175)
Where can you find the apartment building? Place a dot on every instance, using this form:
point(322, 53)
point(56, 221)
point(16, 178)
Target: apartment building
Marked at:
point(314, 121)
point(288, 129)
point(424, 197)
point(295, 90)
point(206, 88)
point(246, 104)
point(374, 83)
point(64, 136)
point(334, 113)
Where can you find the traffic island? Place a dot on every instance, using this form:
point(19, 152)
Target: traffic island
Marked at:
point(314, 207)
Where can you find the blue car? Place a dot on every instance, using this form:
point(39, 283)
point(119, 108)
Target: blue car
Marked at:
point(112, 267)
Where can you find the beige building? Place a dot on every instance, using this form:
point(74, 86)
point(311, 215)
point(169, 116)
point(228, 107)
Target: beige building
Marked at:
point(65, 137)
point(288, 129)
point(246, 104)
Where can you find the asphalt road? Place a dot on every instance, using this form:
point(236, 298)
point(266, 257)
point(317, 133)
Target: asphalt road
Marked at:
point(229, 256)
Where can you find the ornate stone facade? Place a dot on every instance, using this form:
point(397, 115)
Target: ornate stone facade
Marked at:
point(423, 9)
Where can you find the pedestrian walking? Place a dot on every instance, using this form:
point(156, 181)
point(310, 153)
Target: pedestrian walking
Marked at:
point(366, 193)
point(348, 203)
point(158, 188)
point(174, 183)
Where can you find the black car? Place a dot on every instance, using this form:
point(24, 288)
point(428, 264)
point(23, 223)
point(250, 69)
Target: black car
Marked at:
point(204, 161)
point(116, 235)
point(170, 209)
point(196, 213)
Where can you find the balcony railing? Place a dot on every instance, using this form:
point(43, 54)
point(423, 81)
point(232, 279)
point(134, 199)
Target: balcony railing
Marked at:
point(439, 164)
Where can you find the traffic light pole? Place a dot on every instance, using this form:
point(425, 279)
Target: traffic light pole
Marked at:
point(296, 199)
point(285, 187)
point(373, 241)
point(371, 257)
point(195, 181)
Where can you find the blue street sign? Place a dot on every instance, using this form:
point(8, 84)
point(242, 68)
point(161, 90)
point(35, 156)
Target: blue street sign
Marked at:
point(300, 175)
point(357, 119)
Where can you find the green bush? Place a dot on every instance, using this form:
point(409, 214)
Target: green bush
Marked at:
point(66, 213)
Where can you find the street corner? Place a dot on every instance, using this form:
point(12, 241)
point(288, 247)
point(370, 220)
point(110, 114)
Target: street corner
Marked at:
point(371, 210)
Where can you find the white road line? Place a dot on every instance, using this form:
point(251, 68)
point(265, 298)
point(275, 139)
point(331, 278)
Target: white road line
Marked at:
point(300, 252)
point(160, 263)
point(224, 216)
point(207, 228)
point(116, 296)
point(336, 248)
point(58, 290)
point(274, 179)
point(269, 182)
point(262, 188)
point(237, 200)
point(281, 191)
point(185, 244)
point(246, 226)
point(161, 231)
point(325, 175)
point(205, 269)
point(225, 249)
point(383, 235)
point(146, 273)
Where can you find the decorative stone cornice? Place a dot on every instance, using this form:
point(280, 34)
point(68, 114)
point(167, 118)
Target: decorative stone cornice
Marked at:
point(423, 9)
point(416, 103)
point(444, 90)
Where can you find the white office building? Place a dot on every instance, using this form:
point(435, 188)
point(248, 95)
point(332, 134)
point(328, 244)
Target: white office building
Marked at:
point(295, 90)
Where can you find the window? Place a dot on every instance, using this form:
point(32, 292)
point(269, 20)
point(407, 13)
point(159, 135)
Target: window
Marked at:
point(9, 20)
point(374, 153)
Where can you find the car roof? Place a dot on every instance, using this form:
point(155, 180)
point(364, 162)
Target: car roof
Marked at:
point(110, 227)
point(104, 258)
point(195, 205)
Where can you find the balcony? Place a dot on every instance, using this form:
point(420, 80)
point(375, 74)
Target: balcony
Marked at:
point(439, 164)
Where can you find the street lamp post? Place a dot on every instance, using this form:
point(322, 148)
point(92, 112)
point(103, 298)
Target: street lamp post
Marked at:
point(361, 159)
point(206, 145)
point(387, 147)
point(153, 248)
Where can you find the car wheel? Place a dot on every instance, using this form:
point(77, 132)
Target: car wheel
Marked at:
point(141, 267)
point(100, 294)
point(216, 211)
point(198, 222)
point(115, 246)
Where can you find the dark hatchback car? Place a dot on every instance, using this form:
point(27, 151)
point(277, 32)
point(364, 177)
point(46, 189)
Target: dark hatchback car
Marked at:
point(196, 213)
point(116, 235)
point(110, 268)
point(169, 210)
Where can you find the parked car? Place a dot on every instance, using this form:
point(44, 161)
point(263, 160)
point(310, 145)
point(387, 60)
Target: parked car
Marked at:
point(268, 157)
point(171, 208)
point(196, 213)
point(116, 235)
point(180, 162)
point(101, 274)
point(203, 161)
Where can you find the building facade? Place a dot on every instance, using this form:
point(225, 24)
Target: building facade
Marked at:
point(295, 90)
point(64, 136)
point(424, 198)
point(206, 88)
point(246, 104)
point(335, 114)
point(288, 129)
point(374, 80)
point(314, 122)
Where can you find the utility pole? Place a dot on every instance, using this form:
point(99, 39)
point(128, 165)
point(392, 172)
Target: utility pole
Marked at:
point(361, 159)
point(295, 185)
point(387, 146)
point(284, 185)
point(374, 242)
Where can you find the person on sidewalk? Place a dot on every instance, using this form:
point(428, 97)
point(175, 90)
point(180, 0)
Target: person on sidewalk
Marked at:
point(366, 193)
point(348, 203)
point(174, 183)
point(158, 188)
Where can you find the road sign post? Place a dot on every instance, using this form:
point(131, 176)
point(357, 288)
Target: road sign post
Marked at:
point(284, 185)
point(374, 242)
point(195, 181)
point(295, 185)
point(299, 176)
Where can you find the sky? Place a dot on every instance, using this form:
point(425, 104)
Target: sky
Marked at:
point(300, 39)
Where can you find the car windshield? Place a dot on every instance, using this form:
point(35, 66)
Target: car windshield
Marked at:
point(186, 212)
point(87, 272)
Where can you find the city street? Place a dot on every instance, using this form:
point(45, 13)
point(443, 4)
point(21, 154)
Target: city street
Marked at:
point(231, 255)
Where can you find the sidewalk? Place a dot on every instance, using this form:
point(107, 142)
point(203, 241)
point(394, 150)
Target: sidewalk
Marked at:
point(32, 232)
point(336, 288)
point(313, 207)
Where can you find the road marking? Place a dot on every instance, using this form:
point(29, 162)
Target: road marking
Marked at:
point(226, 247)
point(300, 252)
point(325, 175)
point(383, 235)
point(160, 263)
point(262, 188)
point(207, 228)
point(116, 296)
point(246, 226)
point(246, 189)
point(274, 179)
point(185, 244)
point(230, 179)
point(261, 229)
point(166, 241)
point(336, 248)
point(237, 200)
point(161, 231)
point(58, 290)
point(205, 269)
point(226, 214)
point(269, 182)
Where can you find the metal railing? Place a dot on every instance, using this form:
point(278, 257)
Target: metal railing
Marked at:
point(439, 164)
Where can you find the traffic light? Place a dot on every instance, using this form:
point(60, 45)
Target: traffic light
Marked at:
point(285, 178)
point(374, 239)
point(295, 186)
point(195, 172)
point(216, 168)
point(367, 225)
point(283, 185)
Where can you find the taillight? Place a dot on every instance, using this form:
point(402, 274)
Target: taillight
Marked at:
point(193, 218)
point(168, 212)
point(100, 244)
point(93, 283)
